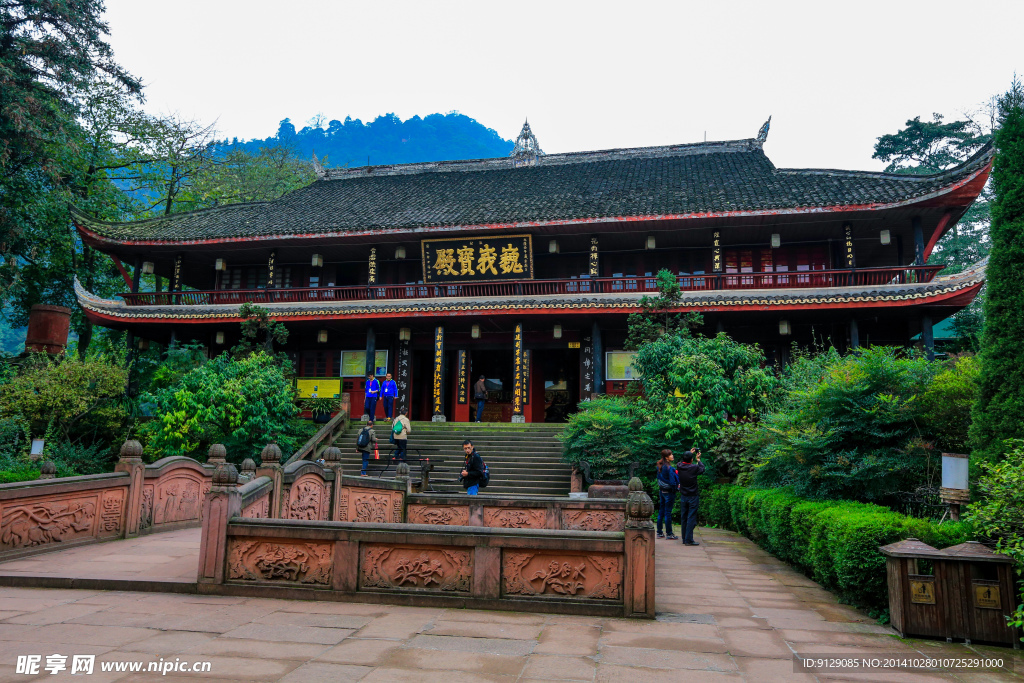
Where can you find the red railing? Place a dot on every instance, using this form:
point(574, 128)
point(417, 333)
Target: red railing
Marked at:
point(856, 277)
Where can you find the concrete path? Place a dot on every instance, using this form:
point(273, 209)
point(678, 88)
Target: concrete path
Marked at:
point(728, 611)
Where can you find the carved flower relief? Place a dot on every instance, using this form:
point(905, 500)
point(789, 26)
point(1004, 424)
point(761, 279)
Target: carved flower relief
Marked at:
point(304, 563)
point(415, 568)
point(592, 576)
point(39, 523)
point(447, 516)
point(372, 508)
point(514, 518)
point(593, 520)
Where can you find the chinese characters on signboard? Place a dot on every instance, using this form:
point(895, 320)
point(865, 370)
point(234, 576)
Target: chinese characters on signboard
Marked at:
point(270, 270)
point(438, 367)
point(716, 253)
point(508, 257)
point(848, 245)
point(586, 369)
point(371, 278)
point(526, 377)
point(594, 270)
point(517, 379)
point(463, 395)
point(402, 368)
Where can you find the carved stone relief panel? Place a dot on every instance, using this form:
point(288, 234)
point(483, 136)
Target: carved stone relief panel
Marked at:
point(178, 497)
point(415, 568)
point(25, 524)
point(371, 506)
point(562, 575)
point(594, 520)
point(308, 498)
point(258, 509)
point(515, 518)
point(437, 514)
point(293, 562)
point(146, 515)
point(111, 512)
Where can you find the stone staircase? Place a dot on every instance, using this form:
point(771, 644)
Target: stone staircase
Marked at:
point(523, 459)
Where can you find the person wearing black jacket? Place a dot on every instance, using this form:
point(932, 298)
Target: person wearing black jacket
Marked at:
point(688, 470)
point(472, 470)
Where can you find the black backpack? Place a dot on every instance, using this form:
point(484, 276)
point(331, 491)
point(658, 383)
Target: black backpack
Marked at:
point(363, 440)
point(486, 479)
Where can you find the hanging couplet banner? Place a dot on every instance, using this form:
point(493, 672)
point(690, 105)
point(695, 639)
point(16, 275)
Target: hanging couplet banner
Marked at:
point(371, 273)
point(716, 252)
point(587, 369)
point(517, 379)
point(463, 395)
point(481, 259)
point(848, 246)
point(526, 377)
point(402, 367)
point(594, 270)
point(438, 367)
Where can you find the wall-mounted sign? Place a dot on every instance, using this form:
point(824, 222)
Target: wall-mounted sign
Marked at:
point(507, 257)
point(619, 365)
point(463, 395)
point(517, 379)
point(526, 376)
point(438, 387)
point(402, 368)
point(922, 591)
point(594, 270)
point(716, 252)
point(848, 246)
point(353, 363)
point(587, 369)
point(371, 273)
point(986, 595)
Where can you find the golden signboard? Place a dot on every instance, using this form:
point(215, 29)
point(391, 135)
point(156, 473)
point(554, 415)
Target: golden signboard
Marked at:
point(594, 269)
point(848, 245)
point(438, 365)
point(371, 277)
point(922, 592)
point(716, 252)
point(986, 595)
point(517, 380)
point(463, 395)
point(480, 259)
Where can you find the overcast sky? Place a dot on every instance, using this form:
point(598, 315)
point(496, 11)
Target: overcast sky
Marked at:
point(588, 74)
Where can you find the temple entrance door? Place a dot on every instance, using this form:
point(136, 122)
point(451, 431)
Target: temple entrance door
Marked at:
point(559, 370)
point(497, 367)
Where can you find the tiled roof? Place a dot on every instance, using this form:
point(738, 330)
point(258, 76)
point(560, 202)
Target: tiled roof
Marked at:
point(680, 180)
point(625, 302)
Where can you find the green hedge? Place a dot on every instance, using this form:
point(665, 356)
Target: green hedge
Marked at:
point(834, 542)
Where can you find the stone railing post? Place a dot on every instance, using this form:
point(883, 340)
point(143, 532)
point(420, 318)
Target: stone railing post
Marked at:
point(47, 470)
point(402, 477)
point(270, 458)
point(576, 481)
point(639, 552)
point(131, 462)
point(221, 504)
point(332, 460)
point(248, 472)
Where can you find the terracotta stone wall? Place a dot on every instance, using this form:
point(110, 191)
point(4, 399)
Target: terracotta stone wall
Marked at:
point(517, 512)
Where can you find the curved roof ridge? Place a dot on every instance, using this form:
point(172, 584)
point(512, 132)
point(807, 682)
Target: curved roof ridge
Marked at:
point(986, 152)
point(85, 217)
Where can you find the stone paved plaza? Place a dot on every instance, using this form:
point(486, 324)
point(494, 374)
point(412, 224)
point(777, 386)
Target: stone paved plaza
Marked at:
point(727, 611)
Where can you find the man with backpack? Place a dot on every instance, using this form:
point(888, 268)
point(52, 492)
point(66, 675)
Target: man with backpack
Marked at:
point(474, 471)
point(366, 441)
point(400, 429)
point(372, 393)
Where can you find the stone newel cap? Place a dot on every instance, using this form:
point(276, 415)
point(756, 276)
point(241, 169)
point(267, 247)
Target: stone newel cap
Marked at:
point(225, 475)
point(217, 453)
point(271, 454)
point(131, 450)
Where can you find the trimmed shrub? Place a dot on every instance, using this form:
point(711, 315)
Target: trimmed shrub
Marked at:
point(834, 542)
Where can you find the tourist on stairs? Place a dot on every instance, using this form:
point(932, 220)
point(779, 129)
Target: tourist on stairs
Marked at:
point(401, 428)
point(480, 396)
point(388, 392)
point(372, 393)
point(366, 441)
point(688, 470)
point(472, 470)
point(668, 485)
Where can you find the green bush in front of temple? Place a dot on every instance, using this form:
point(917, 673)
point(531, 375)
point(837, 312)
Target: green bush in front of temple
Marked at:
point(834, 542)
point(1000, 404)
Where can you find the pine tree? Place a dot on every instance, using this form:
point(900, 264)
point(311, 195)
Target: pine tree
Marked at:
point(999, 411)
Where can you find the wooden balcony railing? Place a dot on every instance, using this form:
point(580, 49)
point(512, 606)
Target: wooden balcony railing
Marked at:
point(856, 277)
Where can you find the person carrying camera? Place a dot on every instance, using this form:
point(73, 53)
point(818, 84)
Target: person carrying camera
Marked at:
point(668, 487)
point(688, 470)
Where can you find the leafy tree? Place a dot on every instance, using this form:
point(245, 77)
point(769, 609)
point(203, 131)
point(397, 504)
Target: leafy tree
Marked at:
point(259, 330)
point(851, 435)
point(1000, 405)
point(604, 433)
point(239, 175)
point(946, 403)
point(242, 403)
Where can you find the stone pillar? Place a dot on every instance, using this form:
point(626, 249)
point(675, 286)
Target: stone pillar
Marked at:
point(854, 335)
point(915, 222)
point(371, 352)
point(221, 504)
point(638, 596)
point(598, 360)
point(437, 387)
point(270, 466)
point(517, 374)
point(927, 337)
point(131, 462)
point(47, 470)
point(332, 458)
point(402, 477)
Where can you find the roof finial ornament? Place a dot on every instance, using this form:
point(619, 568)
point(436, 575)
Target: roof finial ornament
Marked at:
point(526, 150)
point(318, 168)
point(762, 135)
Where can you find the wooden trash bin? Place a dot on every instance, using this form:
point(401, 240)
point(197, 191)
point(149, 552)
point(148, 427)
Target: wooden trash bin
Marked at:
point(963, 592)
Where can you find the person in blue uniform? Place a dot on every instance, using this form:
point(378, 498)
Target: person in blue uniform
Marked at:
point(389, 391)
point(372, 394)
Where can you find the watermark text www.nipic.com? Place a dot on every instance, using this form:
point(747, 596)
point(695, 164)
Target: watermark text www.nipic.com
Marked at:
point(33, 665)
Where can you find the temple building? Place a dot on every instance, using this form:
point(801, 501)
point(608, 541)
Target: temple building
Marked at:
point(524, 269)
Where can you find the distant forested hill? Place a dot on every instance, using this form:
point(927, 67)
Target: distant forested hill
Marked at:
point(387, 140)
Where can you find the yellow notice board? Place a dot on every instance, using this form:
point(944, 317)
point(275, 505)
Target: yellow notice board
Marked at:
point(323, 387)
point(353, 363)
point(619, 365)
